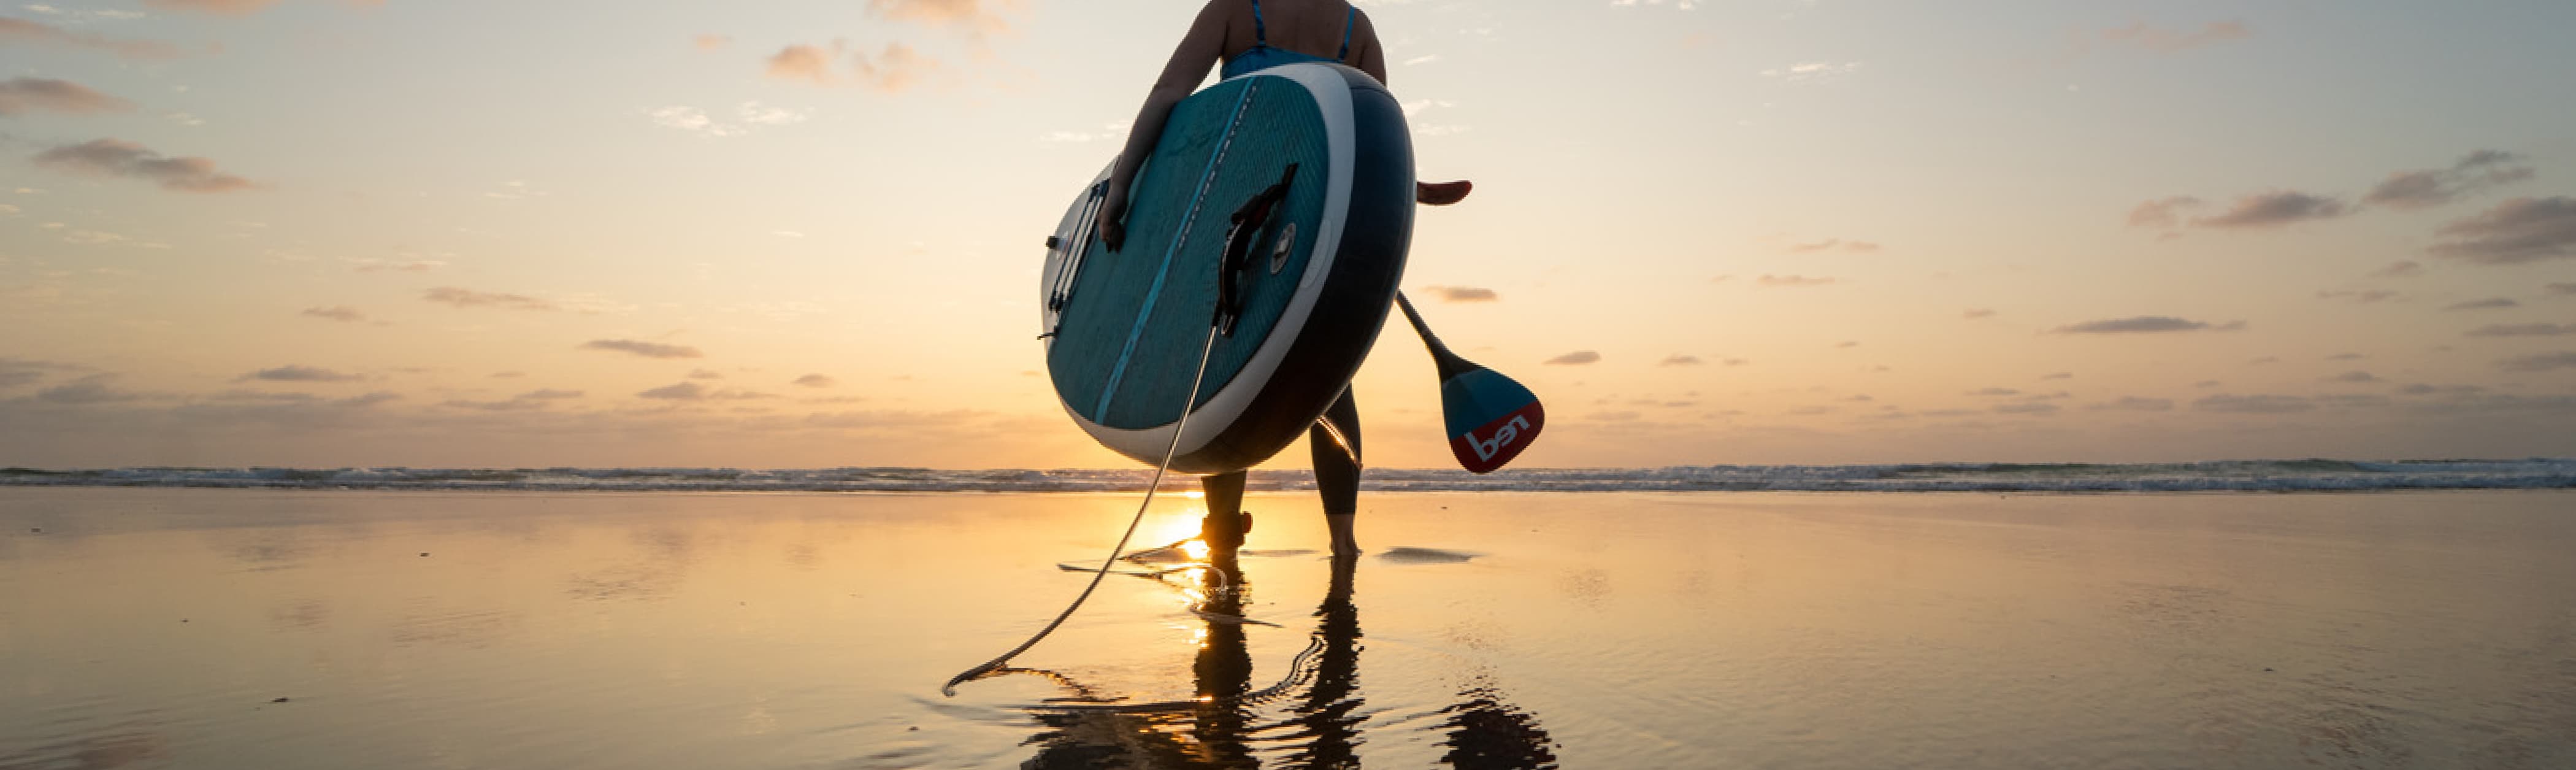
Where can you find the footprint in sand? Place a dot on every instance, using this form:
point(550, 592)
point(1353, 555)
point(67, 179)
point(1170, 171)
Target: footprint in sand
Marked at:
point(1412, 555)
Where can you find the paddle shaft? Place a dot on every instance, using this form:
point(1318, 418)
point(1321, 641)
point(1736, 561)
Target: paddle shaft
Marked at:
point(1450, 365)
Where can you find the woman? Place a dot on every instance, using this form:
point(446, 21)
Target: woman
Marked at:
point(1249, 36)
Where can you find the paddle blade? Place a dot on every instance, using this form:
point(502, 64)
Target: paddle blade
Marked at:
point(1490, 418)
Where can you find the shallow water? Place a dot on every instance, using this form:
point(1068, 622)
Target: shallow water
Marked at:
point(157, 628)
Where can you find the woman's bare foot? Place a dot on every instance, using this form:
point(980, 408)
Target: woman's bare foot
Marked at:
point(1441, 193)
point(1340, 525)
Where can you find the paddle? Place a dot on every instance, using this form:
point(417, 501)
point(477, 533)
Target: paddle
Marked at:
point(1490, 418)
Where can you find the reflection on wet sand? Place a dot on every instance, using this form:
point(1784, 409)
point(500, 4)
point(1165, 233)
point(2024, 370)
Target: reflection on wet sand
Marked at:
point(1311, 718)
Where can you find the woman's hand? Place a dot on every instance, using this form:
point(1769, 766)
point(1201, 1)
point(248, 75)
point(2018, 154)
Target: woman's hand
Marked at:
point(1112, 230)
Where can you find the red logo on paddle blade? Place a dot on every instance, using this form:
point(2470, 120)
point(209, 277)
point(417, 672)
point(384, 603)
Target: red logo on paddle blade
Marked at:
point(1488, 447)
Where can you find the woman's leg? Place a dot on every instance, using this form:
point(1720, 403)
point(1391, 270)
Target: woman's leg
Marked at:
point(1226, 522)
point(1335, 445)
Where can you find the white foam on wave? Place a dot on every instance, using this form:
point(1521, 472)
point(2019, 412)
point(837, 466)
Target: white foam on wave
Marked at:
point(2213, 476)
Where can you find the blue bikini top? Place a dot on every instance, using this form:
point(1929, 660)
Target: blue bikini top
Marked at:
point(1261, 56)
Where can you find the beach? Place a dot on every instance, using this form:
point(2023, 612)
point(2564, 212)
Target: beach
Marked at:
point(315, 628)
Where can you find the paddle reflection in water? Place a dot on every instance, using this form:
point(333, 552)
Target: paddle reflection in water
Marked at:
point(1312, 718)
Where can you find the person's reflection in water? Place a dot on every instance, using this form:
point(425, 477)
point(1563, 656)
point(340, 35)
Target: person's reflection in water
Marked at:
point(1484, 731)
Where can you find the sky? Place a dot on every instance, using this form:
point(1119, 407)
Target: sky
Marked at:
point(807, 234)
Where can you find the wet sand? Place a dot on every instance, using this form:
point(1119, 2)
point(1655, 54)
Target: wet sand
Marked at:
point(159, 628)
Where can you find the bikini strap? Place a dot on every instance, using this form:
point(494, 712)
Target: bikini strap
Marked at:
point(1347, 18)
point(1260, 36)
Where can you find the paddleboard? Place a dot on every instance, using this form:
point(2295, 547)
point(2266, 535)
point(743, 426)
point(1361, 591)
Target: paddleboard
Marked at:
point(1320, 157)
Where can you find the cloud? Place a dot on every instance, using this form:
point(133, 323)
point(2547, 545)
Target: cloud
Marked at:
point(224, 7)
point(1792, 280)
point(2399, 269)
point(1995, 392)
point(2274, 209)
point(2232, 404)
point(1976, 313)
point(711, 42)
point(2135, 404)
point(2170, 41)
point(1833, 244)
point(450, 295)
point(2355, 377)
point(1735, 362)
point(802, 62)
point(93, 389)
point(1576, 358)
point(342, 313)
point(34, 32)
point(19, 371)
point(705, 374)
point(2473, 173)
point(293, 373)
point(645, 349)
point(693, 120)
point(2057, 376)
point(2145, 324)
point(1464, 294)
point(2345, 357)
point(1818, 71)
point(897, 68)
point(2544, 362)
point(2026, 407)
point(2522, 330)
point(690, 391)
point(815, 381)
point(524, 402)
point(1680, 360)
point(23, 95)
point(2362, 296)
point(2490, 303)
point(2514, 232)
point(974, 17)
point(374, 265)
point(119, 158)
point(2165, 213)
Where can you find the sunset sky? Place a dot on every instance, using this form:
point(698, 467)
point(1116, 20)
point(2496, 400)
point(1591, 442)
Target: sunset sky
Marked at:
point(806, 234)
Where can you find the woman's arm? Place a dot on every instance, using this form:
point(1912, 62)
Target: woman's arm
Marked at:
point(1197, 52)
point(1372, 58)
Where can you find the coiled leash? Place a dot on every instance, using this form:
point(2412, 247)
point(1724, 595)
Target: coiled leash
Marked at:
point(1249, 219)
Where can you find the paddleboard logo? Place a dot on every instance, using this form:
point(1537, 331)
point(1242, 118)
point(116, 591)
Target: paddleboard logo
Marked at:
point(1501, 442)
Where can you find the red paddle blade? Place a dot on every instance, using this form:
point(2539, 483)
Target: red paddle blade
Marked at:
point(1441, 193)
point(1490, 418)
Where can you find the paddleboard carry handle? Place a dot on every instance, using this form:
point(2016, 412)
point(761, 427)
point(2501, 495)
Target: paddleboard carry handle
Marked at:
point(1249, 221)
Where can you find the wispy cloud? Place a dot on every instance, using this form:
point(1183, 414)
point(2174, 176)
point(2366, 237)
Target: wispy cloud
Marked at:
point(2399, 269)
point(711, 42)
point(705, 374)
point(2259, 404)
point(120, 158)
point(2473, 173)
point(2161, 40)
point(2135, 404)
point(2145, 324)
point(645, 349)
point(24, 95)
point(1813, 71)
point(1977, 313)
point(1576, 358)
point(93, 389)
point(1793, 280)
point(1833, 244)
point(973, 17)
point(466, 298)
point(747, 114)
point(2355, 377)
point(690, 391)
point(224, 7)
point(341, 313)
point(2165, 213)
point(1463, 294)
point(1680, 360)
point(530, 401)
point(2490, 303)
point(2274, 209)
point(2363, 296)
point(815, 381)
point(2521, 330)
point(295, 373)
point(2544, 362)
point(2517, 231)
point(22, 30)
point(2560, 289)
point(895, 68)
